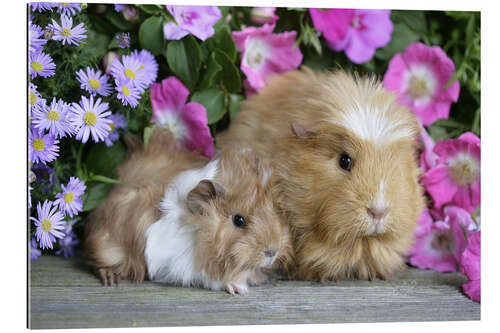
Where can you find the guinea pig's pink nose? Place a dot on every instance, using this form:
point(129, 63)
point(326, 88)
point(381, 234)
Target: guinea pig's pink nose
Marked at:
point(378, 213)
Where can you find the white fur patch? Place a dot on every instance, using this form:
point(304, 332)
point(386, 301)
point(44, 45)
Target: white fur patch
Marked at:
point(170, 245)
point(372, 124)
point(379, 203)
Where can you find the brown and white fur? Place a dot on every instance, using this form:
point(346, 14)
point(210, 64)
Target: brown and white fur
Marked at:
point(189, 238)
point(356, 223)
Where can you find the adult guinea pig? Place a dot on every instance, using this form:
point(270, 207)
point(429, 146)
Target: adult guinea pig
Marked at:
point(344, 158)
point(218, 228)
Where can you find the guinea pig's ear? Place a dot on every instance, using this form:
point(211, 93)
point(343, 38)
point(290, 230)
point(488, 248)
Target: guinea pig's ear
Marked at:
point(301, 131)
point(205, 191)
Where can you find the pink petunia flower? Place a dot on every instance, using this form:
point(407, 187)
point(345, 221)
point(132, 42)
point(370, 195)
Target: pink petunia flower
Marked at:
point(418, 76)
point(357, 32)
point(187, 122)
point(428, 158)
point(263, 15)
point(265, 53)
point(470, 265)
point(440, 243)
point(457, 177)
point(195, 20)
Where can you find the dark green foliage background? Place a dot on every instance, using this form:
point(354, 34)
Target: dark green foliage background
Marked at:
point(211, 71)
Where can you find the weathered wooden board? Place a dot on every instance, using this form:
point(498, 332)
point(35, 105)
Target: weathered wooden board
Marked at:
point(65, 294)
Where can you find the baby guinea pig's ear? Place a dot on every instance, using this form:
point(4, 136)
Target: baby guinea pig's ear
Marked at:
point(205, 191)
point(302, 131)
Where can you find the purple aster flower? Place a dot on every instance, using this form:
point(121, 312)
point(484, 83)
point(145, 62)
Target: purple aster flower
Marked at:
point(148, 64)
point(129, 68)
point(66, 8)
point(54, 118)
point(118, 121)
point(196, 20)
point(41, 6)
point(48, 225)
point(36, 43)
point(42, 148)
point(41, 64)
point(67, 244)
point(34, 97)
point(123, 40)
point(119, 7)
point(66, 33)
point(94, 82)
point(35, 252)
point(69, 199)
point(46, 178)
point(128, 94)
point(89, 118)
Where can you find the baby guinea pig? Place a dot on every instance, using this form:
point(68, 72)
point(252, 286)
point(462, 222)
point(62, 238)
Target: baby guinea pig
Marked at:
point(343, 154)
point(114, 232)
point(218, 228)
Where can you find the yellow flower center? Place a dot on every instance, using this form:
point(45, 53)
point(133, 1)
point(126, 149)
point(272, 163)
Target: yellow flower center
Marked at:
point(141, 67)
point(69, 197)
point(53, 115)
point(66, 32)
point(36, 66)
point(94, 84)
point(126, 91)
point(65, 4)
point(90, 118)
point(111, 127)
point(46, 225)
point(33, 98)
point(464, 173)
point(130, 74)
point(38, 144)
point(418, 87)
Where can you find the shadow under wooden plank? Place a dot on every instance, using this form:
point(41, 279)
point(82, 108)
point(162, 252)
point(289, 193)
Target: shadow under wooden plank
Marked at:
point(65, 294)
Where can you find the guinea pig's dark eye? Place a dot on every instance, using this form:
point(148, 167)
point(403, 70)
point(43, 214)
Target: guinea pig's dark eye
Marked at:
point(239, 221)
point(345, 162)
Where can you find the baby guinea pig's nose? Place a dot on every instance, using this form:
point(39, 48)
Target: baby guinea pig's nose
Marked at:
point(378, 213)
point(270, 253)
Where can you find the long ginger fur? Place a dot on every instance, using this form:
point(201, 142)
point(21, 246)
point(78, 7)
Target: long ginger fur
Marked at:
point(302, 122)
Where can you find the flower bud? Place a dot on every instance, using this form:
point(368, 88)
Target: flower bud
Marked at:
point(107, 61)
point(129, 13)
point(262, 15)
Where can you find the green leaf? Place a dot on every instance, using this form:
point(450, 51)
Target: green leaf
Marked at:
point(184, 59)
point(223, 41)
point(230, 75)
point(146, 135)
point(476, 124)
point(95, 194)
point(402, 36)
point(96, 44)
point(209, 76)
point(151, 35)
point(150, 9)
point(118, 20)
point(213, 100)
point(448, 123)
point(234, 105)
point(102, 160)
point(104, 179)
point(414, 19)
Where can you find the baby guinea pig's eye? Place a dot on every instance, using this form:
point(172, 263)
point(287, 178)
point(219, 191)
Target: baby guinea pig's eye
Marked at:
point(239, 221)
point(345, 162)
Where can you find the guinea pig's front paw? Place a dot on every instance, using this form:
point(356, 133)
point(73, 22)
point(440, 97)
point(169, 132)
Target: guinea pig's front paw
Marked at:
point(108, 276)
point(237, 288)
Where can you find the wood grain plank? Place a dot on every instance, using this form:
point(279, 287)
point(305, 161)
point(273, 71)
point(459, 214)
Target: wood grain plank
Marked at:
point(65, 294)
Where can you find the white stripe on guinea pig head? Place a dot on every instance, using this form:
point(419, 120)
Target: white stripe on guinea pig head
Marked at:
point(373, 123)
